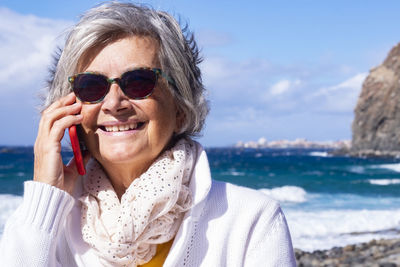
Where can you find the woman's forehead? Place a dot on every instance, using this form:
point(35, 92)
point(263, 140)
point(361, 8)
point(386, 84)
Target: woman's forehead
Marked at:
point(144, 49)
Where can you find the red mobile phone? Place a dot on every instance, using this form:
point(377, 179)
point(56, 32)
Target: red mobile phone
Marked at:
point(73, 135)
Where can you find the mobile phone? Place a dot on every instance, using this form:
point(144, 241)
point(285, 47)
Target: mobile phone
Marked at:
point(73, 135)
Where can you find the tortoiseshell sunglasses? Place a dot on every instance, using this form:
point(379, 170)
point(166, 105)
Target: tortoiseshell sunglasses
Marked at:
point(139, 83)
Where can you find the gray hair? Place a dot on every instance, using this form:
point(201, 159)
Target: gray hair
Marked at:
point(178, 54)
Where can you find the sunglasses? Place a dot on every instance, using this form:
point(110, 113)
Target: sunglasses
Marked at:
point(90, 87)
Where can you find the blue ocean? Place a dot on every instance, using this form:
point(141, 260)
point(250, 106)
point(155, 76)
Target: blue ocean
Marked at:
point(328, 200)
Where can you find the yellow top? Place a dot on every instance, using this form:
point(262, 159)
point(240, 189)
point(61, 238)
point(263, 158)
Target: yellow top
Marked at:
point(161, 255)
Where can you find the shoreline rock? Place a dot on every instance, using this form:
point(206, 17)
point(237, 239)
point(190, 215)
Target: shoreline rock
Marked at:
point(369, 153)
point(365, 153)
point(377, 114)
point(375, 253)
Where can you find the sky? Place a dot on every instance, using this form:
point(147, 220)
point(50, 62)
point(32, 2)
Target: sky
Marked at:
point(272, 69)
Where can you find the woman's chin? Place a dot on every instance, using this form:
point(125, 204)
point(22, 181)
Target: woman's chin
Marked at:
point(118, 156)
point(122, 153)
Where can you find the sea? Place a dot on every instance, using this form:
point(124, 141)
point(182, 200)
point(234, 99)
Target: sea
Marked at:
point(328, 200)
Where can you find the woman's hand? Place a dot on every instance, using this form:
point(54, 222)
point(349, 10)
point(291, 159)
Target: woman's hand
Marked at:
point(49, 167)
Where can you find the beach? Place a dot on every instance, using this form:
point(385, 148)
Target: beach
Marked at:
point(376, 253)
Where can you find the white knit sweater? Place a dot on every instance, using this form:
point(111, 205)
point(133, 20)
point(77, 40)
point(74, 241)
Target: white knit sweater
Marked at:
point(228, 226)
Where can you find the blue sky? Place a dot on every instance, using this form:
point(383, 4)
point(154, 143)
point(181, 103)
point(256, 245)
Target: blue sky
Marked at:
point(273, 69)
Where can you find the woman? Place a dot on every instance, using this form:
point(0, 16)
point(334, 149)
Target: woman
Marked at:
point(147, 198)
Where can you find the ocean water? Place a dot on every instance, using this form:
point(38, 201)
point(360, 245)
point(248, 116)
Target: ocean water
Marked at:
point(328, 200)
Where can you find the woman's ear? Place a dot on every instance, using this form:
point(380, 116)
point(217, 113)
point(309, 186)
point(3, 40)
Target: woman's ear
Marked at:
point(180, 121)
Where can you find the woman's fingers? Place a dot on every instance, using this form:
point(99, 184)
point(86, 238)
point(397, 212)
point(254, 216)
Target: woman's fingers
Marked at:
point(49, 117)
point(59, 116)
point(48, 113)
point(63, 101)
point(55, 119)
point(59, 126)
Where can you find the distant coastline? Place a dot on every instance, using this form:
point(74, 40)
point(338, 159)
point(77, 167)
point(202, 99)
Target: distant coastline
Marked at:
point(297, 143)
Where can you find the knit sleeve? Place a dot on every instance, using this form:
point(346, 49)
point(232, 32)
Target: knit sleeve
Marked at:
point(31, 233)
point(270, 242)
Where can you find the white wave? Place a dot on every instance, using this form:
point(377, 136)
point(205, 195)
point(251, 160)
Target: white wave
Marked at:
point(393, 167)
point(319, 154)
point(384, 181)
point(357, 169)
point(233, 172)
point(8, 204)
point(286, 193)
point(325, 229)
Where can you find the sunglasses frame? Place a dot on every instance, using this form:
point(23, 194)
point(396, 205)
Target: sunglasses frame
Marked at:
point(117, 80)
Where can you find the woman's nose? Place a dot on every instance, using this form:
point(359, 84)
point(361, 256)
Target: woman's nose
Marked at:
point(115, 101)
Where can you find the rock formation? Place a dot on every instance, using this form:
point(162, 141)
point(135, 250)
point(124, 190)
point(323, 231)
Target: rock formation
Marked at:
point(376, 126)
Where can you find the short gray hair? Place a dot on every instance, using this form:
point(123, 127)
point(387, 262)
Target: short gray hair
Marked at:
point(178, 54)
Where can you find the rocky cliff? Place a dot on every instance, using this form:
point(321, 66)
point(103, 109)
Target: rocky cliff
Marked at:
point(376, 126)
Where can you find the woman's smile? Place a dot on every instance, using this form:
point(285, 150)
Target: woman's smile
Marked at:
point(120, 128)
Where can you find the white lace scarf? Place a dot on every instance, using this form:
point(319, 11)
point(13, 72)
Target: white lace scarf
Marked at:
point(151, 210)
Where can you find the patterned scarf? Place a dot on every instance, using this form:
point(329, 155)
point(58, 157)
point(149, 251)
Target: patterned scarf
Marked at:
point(151, 210)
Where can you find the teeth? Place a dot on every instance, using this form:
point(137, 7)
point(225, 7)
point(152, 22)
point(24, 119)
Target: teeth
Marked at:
point(120, 128)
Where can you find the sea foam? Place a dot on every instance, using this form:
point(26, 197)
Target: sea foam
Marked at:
point(287, 193)
point(324, 229)
point(384, 181)
point(8, 204)
point(393, 167)
point(357, 169)
point(319, 154)
point(233, 172)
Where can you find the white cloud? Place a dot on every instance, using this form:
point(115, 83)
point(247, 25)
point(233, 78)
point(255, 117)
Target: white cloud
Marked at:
point(255, 98)
point(235, 82)
point(279, 90)
point(350, 85)
point(215, 69)
point(283, 87)
point(280, 87)
point(341, 97)
point(26, 45)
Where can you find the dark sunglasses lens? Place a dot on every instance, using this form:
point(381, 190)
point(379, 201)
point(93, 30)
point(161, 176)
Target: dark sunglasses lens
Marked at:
point(90, 87)
point(138, 83)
